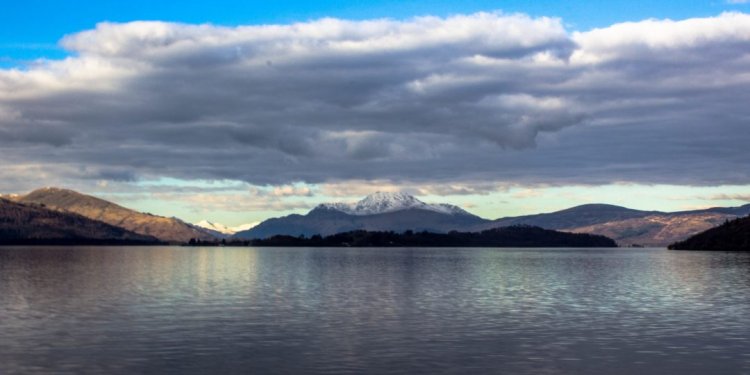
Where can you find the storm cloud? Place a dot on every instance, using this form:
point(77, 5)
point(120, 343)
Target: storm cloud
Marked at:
point(482, 97)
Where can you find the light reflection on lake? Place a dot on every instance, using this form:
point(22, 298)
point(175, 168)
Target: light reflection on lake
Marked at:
point(293, 310)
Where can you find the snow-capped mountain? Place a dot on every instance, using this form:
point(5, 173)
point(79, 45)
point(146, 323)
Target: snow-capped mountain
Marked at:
point(221, 228)
point(377, 212)
point(218, 227)
point(384, 202)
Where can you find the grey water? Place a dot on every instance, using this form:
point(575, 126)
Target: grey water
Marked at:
point(161, 310)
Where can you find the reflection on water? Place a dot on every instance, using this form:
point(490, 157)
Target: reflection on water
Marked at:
point(213, 310)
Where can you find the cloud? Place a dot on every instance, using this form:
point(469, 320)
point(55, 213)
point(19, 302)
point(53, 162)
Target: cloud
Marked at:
point(489, 98)
point(208, 202)
point(282, 191)
point(729, 197)
point(230, 202)
point(359, 188)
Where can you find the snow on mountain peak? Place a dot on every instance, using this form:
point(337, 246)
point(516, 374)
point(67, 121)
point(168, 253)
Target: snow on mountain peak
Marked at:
point(384, 202)
point(221, 228)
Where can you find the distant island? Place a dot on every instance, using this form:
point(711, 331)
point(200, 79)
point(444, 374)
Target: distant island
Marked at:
point(513, 236)
point(733, 235)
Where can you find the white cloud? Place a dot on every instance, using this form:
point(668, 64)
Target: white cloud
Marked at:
point(663, 40)
point(729, 197)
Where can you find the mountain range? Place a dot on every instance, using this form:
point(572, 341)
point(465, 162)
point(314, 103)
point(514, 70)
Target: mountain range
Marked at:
point(399, 212)
point(52, 210)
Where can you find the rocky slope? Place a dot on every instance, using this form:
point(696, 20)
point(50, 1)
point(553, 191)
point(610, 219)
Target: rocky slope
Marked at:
point(22, 223)
point(165, 229)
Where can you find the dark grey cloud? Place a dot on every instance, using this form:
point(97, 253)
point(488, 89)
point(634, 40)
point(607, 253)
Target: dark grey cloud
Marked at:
point(483, 97)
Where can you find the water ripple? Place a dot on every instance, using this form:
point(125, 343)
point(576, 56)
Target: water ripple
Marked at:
point(402, 311)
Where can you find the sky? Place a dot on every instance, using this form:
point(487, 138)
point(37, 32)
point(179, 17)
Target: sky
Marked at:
point(237, 111)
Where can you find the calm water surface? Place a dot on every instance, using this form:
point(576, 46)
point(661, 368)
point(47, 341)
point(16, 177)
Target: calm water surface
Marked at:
point(281, 310)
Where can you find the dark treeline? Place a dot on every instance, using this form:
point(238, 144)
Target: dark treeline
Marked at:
point(223, 242)
point(733, 235)
point(513, 236)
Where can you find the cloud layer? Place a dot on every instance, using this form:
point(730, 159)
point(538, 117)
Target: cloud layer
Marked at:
point(483, 97)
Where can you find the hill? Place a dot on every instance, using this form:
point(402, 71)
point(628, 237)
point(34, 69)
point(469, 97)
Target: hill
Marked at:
point(733, 235)
point(575, 217)
point(628, 226)
point(165, 229)
point(27, 224)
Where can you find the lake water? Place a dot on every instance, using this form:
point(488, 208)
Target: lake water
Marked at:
point(177, 310)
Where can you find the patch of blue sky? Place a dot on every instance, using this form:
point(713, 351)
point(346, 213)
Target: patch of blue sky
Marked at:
point(44, 23)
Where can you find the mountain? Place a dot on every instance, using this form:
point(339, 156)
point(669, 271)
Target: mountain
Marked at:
point(377, 212)
point(165, 229)
point(222, 229)
point(216, 227)
point(24, 224)
point(513, 236)
point(733, 235)
point(381, 203)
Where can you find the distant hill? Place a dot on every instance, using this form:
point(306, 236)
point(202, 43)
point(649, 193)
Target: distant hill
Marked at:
point(513, 236)
point(22, 224)
point(575, 217)
point(165, 229)
point(656, 230)
point(628, 226)
point(378, 212)
point(733, 235)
